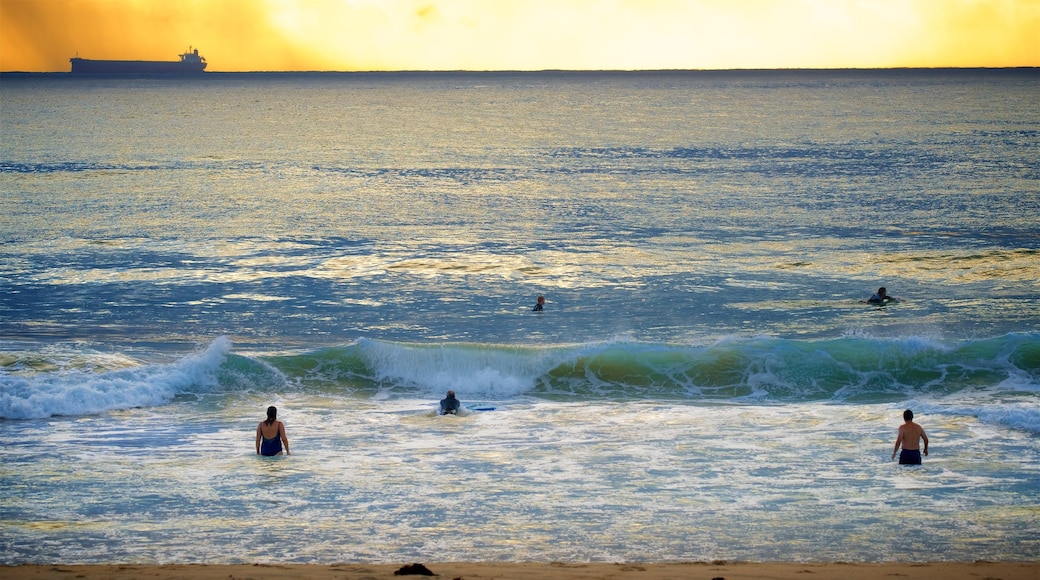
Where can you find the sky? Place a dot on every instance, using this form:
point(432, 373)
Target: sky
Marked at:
point(391, 35)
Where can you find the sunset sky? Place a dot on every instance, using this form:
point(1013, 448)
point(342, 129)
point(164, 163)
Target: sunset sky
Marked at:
point(364, 35)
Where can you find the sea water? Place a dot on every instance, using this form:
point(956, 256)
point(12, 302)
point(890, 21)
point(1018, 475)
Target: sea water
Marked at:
point(704, 383)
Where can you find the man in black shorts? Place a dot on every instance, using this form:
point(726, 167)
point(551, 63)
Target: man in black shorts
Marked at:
point(910, 436)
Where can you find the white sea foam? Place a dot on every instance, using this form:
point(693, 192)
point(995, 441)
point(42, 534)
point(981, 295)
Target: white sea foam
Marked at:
point(495, 372)
point(77, 392)
point(533, 481)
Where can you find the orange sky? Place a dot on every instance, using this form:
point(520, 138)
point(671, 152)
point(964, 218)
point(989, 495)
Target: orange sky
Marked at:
point(359, 35)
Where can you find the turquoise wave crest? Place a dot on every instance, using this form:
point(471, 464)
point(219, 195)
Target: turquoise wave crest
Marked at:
point(998, 371)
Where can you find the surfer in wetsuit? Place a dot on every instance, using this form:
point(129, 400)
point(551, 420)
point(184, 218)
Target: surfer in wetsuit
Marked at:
point(270, 435)
point(541, 304)
point(910, 436)
point(881, 297)
point(450, 405)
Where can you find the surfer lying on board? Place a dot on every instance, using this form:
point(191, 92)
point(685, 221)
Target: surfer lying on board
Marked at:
point(881, 297)
point(910, 436)
point(270, 435)
point(450, 405)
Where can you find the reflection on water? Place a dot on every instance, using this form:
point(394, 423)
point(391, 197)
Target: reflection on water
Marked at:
point(530, 481)
point(703, 374)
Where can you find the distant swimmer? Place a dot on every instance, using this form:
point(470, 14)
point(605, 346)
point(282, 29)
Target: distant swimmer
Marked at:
point(270, 435)
point(450, 405)
point(540, 306)
point(910, 436)
point(881, 297)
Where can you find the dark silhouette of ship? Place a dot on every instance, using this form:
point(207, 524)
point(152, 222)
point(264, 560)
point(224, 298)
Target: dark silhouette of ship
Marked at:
point(191, 63)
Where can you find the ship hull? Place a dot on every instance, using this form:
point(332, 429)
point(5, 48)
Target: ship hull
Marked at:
point(135, 67)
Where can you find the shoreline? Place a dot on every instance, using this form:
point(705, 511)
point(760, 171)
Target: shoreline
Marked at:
point(1025, 570)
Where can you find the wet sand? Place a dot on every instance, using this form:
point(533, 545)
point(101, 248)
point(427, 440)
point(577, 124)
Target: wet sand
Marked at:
point(542, 571)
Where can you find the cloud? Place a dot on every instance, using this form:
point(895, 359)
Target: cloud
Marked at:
point(246, 35)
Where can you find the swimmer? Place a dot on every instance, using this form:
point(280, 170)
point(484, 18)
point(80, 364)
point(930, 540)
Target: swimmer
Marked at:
point(450, 405)
point(540, 306)
point(270, 435)
point(881, 297)
point(910, 436)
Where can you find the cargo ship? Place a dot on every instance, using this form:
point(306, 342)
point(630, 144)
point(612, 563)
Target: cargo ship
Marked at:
point(191, 63)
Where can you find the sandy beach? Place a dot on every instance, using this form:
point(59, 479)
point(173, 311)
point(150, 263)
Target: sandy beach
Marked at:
point(551, 571)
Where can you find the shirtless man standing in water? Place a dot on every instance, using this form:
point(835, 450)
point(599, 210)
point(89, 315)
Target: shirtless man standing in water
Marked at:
point(910, 436)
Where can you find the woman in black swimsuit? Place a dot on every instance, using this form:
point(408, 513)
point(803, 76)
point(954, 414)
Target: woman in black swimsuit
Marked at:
point(270, 435)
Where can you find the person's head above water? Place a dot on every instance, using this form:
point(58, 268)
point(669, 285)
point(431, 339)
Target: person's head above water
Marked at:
point(272, 414)
point(451, 394)
point(908, 415)
point(882, 292)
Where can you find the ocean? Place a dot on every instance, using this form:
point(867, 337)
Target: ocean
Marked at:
point(706, 381)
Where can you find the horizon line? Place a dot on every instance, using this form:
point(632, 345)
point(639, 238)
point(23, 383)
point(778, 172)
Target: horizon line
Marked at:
point(554, 70)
